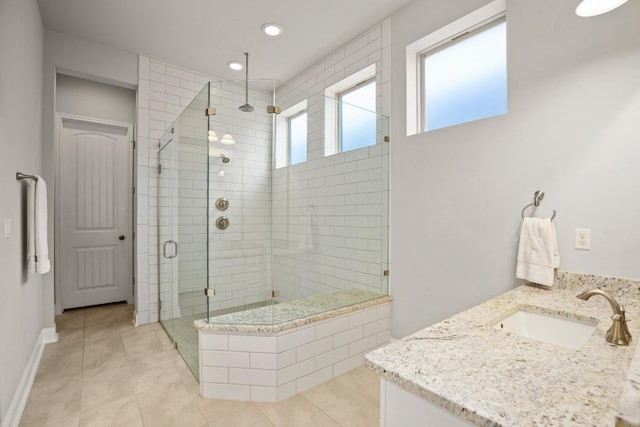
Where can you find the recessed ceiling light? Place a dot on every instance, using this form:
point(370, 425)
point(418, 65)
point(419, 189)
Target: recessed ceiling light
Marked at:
point(272, 29)
point(589, 8)
point(235, 66)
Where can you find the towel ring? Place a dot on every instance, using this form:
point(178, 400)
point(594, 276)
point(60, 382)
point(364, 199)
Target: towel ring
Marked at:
point(537, 197)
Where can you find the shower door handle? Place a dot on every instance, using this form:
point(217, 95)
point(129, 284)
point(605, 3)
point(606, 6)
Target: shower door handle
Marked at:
point(164, 249)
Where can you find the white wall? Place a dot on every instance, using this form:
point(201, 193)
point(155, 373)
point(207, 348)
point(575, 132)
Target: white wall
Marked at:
point(79, 58)
point(92, 99)
point(21, 50)
point(571, 131)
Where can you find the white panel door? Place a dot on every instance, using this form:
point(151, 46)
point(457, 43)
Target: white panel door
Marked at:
point(95, 237)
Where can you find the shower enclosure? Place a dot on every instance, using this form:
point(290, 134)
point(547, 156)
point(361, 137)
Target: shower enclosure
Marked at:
point(262, 217)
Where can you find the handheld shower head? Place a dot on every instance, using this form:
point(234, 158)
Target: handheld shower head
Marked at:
point(247, 108)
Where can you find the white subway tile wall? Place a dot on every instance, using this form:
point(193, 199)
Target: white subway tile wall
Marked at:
point(325, 219)
point(330, 214)
point(273, 368)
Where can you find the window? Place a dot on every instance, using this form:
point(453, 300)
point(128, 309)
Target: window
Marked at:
point(291, 136)
point(357, 120)
point(350, 112)
point(465, 80)
point(458, 73)
point(298, 138)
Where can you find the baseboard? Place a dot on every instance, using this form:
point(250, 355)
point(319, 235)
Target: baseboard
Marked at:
point(49, 335)
point(19, 401)
point(140, 318)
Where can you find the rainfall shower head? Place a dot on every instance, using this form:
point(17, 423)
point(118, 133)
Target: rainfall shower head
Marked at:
point(247, 108)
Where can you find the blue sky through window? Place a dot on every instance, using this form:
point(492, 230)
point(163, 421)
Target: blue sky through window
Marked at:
point(358, 117)
point(467, 80)
point(298, 139)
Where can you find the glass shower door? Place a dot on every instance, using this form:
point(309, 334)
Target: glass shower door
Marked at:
point(167, 228)
point(182, 227)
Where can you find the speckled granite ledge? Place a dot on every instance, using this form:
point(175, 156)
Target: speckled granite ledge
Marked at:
point(493, 378)
point(291, 314)
point(616, 286)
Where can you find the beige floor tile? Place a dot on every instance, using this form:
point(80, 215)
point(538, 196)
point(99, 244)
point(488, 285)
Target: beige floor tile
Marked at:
point(160, 405)
point(295, 411)
point(189, 416)
point(126, 326)
point(70, 337)
point(52, 400)
point(70, 320)
point(124, 311)
point(104, 353)
point(60, 362)
point(121, 412)
point(344, 405)
point(139, 345)
point(214, 409)
point(149, 372)
point(101, 331)
point(105, 371)
point(248, 417)
point(129, 330)
point(101, 314)
point(70, 421)
point(363, 381)
point(105, 384)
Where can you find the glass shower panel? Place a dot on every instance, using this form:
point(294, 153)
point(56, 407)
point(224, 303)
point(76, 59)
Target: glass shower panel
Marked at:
point(167, 229)
point(293, 235)
point(182, 205)
point(330, 227)
point(240, 195)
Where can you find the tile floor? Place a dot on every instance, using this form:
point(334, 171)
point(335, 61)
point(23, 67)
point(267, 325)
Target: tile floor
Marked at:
point(105, 372)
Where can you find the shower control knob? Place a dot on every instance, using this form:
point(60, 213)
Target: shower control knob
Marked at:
point(222, 223)
point(222, 204)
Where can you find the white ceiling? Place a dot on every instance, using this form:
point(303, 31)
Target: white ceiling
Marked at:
point(204, 35)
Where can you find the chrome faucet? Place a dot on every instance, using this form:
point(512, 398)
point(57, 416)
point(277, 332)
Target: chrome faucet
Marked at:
point(618, 333)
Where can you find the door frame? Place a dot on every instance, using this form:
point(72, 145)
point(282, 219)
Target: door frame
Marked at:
point(57, 267)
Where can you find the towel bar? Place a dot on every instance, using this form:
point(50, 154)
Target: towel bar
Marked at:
point(20, 176)
point(537, 197)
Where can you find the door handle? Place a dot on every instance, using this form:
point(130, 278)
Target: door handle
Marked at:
point(164, 249)
point(121, 237)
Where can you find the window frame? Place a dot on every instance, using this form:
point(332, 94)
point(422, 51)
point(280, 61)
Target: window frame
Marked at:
point(477, 19)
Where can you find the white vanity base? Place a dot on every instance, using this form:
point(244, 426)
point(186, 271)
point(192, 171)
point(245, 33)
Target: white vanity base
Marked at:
point(401, 408)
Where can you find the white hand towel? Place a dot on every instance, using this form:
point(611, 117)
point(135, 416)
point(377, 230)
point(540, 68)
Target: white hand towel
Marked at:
point(537, 251)
point(37, 247)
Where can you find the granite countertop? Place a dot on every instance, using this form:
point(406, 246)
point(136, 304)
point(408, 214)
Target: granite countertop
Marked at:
point(494, 378)
point(291, 314)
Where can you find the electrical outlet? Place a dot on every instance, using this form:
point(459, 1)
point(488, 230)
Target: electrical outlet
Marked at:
point(583, 239)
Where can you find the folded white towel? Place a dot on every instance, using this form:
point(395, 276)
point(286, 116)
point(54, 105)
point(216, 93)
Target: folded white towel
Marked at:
point(537, 251)
point(37, 247)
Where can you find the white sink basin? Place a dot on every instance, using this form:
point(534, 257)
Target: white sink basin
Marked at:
point(560, 331)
